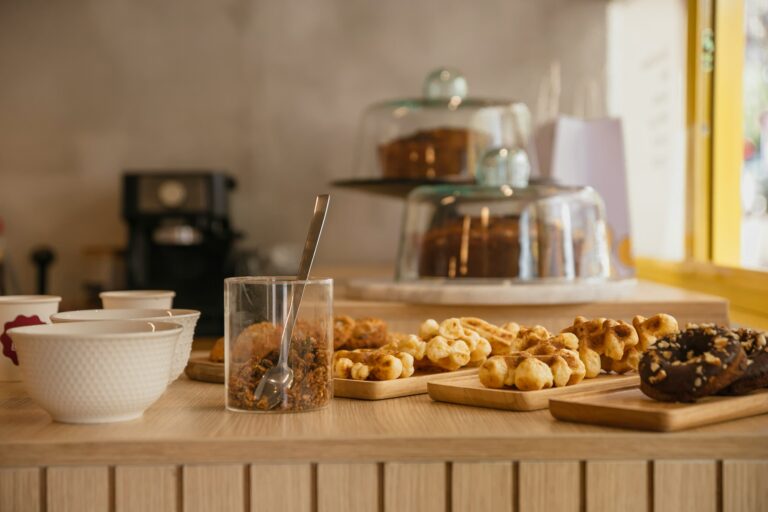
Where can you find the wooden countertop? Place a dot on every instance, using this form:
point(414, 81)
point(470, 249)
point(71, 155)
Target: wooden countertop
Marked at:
point(189, 424)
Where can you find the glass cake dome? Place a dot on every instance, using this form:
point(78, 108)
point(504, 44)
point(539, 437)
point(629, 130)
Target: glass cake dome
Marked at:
point(440, 136)
point(504, 227)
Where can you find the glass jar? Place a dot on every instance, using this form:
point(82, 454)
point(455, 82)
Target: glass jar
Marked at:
point(504, 227)
point(440, 136)
point(256, 310)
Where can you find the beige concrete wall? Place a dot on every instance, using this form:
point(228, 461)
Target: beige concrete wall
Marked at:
point(270, 90)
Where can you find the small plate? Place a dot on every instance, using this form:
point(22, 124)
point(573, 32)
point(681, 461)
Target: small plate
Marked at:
point(469, 391)
point(416, 384)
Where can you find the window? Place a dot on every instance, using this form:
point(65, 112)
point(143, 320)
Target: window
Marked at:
point(754, 174)
point(726, 241)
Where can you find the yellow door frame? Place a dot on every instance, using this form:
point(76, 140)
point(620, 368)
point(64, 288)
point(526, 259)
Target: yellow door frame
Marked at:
point(728, 140)
point(699, 129)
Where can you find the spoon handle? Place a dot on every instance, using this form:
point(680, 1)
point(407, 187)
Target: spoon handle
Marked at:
point(305, 266)
point(315, 228)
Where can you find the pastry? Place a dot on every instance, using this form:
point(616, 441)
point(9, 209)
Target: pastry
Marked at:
point(471, 247)
point(259, 339)
point(342, 330)
point(562, 345)
point(255, 342)
point(697, 362)
point(217, 352)
point(373, 364)
point(447, 354)
point(501, 340)
point(528, 372)
point(430, 153)
point(447, 345)
point(755, 345)
point(616, 346)
point(361, 333)
point(368, 333)
point(653, 328)
point(409, 343)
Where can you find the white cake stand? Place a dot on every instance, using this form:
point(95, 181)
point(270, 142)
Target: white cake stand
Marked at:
point(490, 294)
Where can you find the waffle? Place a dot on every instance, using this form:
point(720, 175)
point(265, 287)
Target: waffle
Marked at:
point(529, 372)
point(616, 346)
point(372, 364)
point(510, 337)
point(445, 346)
point(651, 329)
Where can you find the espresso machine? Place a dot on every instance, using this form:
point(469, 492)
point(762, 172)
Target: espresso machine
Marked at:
point(180, 238)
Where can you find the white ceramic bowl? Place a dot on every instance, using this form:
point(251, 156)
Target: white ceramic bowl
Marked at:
point(96, 372)
point(137, 299)
point(187, 318)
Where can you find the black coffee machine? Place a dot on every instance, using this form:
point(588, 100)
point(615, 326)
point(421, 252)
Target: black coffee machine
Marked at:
point(180, 238)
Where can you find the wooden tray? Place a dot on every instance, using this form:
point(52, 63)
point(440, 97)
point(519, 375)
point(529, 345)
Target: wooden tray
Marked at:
point(201, 368)
point(630, 408)
point(469, 391)
point(380, 390)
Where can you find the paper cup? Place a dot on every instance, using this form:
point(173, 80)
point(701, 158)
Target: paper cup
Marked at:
point(137, 299)
point(18, 311)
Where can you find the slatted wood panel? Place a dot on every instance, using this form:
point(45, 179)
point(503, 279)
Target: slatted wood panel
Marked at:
point(78, 489)
point(547, 486)
point(482, 486)
point(20, 489)
point(685, 486)
point(415, 486)
point(146, 488)
point(281, 487)
point(592, 486)
point(745, 488)
point(207, 488)
point(617, 485)
point(348, 488)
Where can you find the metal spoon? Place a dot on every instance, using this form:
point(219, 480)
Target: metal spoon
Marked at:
point(278, 379)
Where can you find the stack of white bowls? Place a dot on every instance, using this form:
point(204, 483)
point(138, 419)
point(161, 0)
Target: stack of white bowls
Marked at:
point(105, 365)
point(187, 318)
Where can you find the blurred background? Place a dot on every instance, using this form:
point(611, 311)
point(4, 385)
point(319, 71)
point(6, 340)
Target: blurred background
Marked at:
point(272, 94)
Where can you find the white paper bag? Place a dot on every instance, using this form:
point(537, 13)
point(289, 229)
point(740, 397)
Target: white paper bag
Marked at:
point(591, 152)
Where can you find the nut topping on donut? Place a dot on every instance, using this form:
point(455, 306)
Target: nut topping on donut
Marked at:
point(721, 343)
point(711, 359)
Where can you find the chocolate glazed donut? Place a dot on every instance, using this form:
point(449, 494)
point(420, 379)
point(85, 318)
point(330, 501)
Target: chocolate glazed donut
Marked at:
point(700, 361)
point(755, 345)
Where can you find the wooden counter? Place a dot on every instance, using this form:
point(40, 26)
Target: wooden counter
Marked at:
point(188, 453)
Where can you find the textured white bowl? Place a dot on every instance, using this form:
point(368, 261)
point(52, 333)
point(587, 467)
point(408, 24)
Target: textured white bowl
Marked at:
point(187, 318)
point(137, 299)
point(96, 372)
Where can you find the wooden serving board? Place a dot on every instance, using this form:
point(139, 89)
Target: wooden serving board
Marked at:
point(630, 408)
point(416, 384)
point(203, 369)
point(469, 391)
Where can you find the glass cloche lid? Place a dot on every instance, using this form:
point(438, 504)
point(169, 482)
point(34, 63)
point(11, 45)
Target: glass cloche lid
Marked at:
point(504, 227)
point(440, 136)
